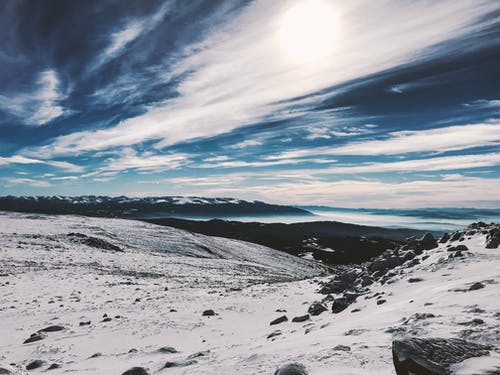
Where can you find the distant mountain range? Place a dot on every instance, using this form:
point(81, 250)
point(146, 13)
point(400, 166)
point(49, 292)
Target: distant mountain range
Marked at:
point(140, 208)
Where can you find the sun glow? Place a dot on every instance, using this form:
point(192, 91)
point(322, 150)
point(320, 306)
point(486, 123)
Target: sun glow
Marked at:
point(307, 31)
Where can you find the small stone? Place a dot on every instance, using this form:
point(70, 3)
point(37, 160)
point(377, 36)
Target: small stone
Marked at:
point(381, 301)
point(476, 286)
point(35, 337)
point(300, 319)
point(208, 313)
point(274, 334)
point(279, 320)
point(35, 364)
point(96, 355)
point(54, 366)
point(415, 279)
point(167, 350)
point(53, 328)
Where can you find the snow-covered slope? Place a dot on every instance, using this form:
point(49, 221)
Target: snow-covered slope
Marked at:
point(155, 294)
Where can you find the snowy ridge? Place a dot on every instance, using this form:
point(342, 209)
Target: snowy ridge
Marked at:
point(154, 295)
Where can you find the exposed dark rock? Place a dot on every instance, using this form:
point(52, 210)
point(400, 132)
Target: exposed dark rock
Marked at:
point(208, 313)
point(35, 337)
point(457, 236)
point(381, 301)
point(316, 308)
point(292, 369)
point(53, 328)
point(136, 371)
point(35, 364)
point(300, 319)
point(6, 370)
point(415, 279)
point(198, 354)
point(458, 248)
point(96, 355)
point(476, 286)
point(493, 238)
point(343, 348)
point(339, 305)
point(444, 238)
point(433, 356)
point(94, 242)
point(427, 242)
point(167, 350)
point(274, 334)
point(54, 366)
point(87, 323)
point(107, 319)
point(279, 320)
point(179, 363)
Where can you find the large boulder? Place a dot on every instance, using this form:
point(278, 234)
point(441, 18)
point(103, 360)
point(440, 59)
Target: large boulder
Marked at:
point(433, 356)
point(316, 308)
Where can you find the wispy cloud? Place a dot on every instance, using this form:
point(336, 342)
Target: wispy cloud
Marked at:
point(19, 159)
point(39, 106)
point(122, 37)
point(26, 181)
point(237, 75)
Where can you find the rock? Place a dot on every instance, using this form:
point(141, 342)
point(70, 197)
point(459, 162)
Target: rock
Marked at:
point(198, 354)
point(316, 308)
point(279, 320)
point(208, 313)
point(457, 236)
point(167, 350)
point(35, 364)
point(54, 366)
point(476, 286)
point(274, 334)
point(53, 328)
point(381, 301)
point(87, 323)
point(292, 369)
point(493, 238)
point(300, 319)
point(432, 356)
point(179, 364)
point(343, 348)
point(444, 238)
point(96, 355)
point(415, 280)
point(6, 370)
point(427, 242)
point(458, 248)
point(35, 337)
point(136, 371)
point(107, 319)
point(339, 305)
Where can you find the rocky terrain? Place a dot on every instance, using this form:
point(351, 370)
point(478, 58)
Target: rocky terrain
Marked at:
point(111, 296)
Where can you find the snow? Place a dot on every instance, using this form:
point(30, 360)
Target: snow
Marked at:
point(50, 279)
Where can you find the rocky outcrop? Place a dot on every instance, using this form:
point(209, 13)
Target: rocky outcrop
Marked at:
point(433, 356)
point(292, 369)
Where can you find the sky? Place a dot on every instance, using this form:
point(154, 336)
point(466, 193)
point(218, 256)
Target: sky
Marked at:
point(390, 104)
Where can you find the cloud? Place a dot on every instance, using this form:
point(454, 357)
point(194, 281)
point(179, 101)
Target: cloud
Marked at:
point(245, 144)
point(40, 106)
point(417, 165)
point(26, 181)
point(238, 75)
point(451, 138)
point(18, 159)
point(121, 38)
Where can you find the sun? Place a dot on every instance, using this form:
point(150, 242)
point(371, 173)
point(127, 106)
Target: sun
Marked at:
point(307, 31)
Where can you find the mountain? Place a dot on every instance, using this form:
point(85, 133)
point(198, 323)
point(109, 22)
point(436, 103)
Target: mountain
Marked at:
point(106, 296)
point(329, 241)
point(103, 206)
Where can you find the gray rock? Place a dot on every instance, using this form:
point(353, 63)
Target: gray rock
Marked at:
point(316, 308)
point(458, 248)
point(292, 369)
point(208, 313)
point(35, 364)
point(54, 366)
point(53, 328)
point(35, 337)
point(167, 350)
point(6, 370)
point(476, 286)
point(279, 320)
point(274, 334)
point(444, 238)
point(339, 305)
point(179, 364)
point(433, 356)
point(136, 371)
point(300, 319)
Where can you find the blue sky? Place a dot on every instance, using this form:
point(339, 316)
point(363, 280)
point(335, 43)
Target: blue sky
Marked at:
point(358, 104)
